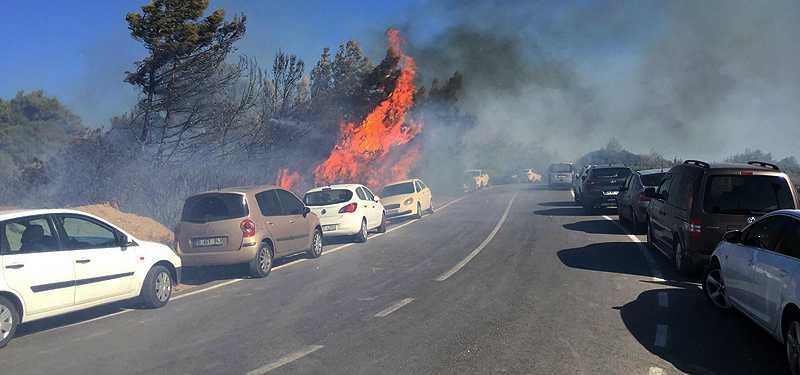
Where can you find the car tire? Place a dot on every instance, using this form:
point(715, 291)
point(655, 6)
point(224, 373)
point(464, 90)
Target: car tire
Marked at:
point(315, 251)
point(418, 215)
point(382, 227)
point(714, 287)
point(9, 320)
point(362, 234)
point(157, 287)
point(679, 258)
point(636, 227)
point(791, 342)
point(430, 208)
point(261, 264)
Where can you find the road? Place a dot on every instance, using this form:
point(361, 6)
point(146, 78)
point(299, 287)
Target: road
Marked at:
point(512, 279)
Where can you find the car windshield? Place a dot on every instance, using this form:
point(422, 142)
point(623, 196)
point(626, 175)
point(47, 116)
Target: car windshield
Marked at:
point(653, 179)
point(398, 189)
point(561, 168)
point(747, 195)
point(214, 207)
point(326, 197)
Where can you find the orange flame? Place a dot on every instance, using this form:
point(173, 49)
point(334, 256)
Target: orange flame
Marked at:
point(287, 179)
point(373, 152)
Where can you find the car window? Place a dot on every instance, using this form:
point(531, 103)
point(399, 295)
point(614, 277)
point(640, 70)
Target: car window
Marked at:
point(679, 191)
point(663, 188)
point(291, 205)
point(369, 194)
point(789, 242)
point(652, 179)
point(85, 233)
point(764, 233)
point(360, 193)
point(326, 197)
point(746, 195)
point(211, 207)
point(397, 189)
point(27, 235)
point(269, 204)
point(419, 186)
point(423, 187)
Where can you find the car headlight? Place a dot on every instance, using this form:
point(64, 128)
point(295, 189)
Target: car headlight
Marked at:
point(408, 201)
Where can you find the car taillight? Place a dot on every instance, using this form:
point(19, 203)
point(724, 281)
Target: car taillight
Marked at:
point(349, 208)
point(695, 228)
point(408, 201)
point(745, 173)
point(248, 228)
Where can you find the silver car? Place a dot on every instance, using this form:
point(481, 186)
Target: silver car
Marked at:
point(757, 271)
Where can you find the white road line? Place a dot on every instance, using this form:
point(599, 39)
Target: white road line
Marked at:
point(663, 299)
point(90, 320)
point(394, 307)
point(655, 371)
point(657, 275)
point(483, 244)
point(661, 335)
point(220, 285)
point(289, 358)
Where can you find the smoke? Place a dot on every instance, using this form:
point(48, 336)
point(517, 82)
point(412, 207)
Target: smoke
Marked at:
point(684, 78)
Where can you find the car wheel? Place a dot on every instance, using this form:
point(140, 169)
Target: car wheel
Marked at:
point(261, 264)
point(430, 207)
point(316, 245)
point(382, 227)
point(792, 342)
point(157, 287)
point(361, 237)
point(636, 227)
point(9, 320)
point(714, 287)
point(681, 264)
point(418, 215)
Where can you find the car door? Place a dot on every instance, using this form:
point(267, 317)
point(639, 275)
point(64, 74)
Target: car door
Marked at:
point(773, 269)
point(104, 265)
point(275, 221)
point(658, 212)
point(757, 241)
point(294, 215)
point(375, 209)
point(35, 266)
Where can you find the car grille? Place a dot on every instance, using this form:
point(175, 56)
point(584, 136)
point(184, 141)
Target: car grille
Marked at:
point(391, 206)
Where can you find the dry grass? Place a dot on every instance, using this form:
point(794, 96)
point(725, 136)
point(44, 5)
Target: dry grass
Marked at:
point(141, 227)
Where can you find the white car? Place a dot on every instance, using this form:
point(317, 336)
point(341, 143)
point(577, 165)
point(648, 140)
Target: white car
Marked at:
point(59, 261)
point(347, 210)
point(757, 271)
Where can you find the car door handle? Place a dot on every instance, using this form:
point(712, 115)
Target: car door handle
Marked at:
point(83, 261)
point(15, 266)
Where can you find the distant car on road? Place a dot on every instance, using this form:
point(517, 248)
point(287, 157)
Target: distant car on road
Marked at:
point(560, 175)
point(632, 203)
point(526, 175)
point(347, 210)
point(475, 179)
point(407, 198)
point(60, 261)
point(247, 225)
point(600, 186)
point(757, 271)
point(697, 202)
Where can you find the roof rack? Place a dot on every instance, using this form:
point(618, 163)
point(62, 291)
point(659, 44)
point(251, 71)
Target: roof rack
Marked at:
point(764, 164)
point(697, 163)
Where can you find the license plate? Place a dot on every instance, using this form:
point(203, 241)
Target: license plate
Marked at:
point(206, 242)
point(326, 228)
point(610, 193)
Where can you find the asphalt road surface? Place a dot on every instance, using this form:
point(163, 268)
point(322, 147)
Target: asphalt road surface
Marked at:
point(511, 279)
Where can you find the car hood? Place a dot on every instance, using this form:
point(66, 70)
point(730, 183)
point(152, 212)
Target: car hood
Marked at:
point(396, 199)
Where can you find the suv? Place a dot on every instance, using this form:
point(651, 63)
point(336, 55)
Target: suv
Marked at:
point(251, 225)
point(600, 185)
point(696, 203)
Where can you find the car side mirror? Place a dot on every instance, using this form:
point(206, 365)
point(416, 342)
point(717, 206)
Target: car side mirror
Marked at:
point(306, 210)
point(125, 242)
point(376, 198)
point(734, 236)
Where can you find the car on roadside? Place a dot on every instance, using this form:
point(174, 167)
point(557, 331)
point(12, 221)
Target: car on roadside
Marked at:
point(347, 210)
point(560, 175)
point(246, 225)
point(756, 271)
point(577, 180)
point(632, 203)
point(696, 203)
point(600, 186)
point(409, 198)
point(59, 261)
point(475, 179)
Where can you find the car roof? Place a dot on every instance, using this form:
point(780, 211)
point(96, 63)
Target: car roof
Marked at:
point(404, 181)
point(241, 189)
point(16, 213)
point(336, 186)
point(645, 172)
point(712, 166)
point(608, 166)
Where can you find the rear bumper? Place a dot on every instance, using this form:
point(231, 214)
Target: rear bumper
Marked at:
point(597, 198)
point(345, 226)
point(220, 258)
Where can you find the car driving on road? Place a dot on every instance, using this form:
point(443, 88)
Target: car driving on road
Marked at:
point(632, 203)
point(347, 210)
point(757, 271)
point(560, 175)
point(600, 186)
point(475, 179)
point(407, 198)
point(248, 225)
point(697, 202)
point(60, 261)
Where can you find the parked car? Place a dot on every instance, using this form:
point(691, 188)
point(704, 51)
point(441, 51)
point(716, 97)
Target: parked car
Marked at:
point(475, 179)
point(632, 203)
point(577, 181)
point(407, 198)
point(600, 186)
point(756, 271)
point(249, 225)
point(560, 175)
point(696, 203)
point(347, 210)
point(59, 261)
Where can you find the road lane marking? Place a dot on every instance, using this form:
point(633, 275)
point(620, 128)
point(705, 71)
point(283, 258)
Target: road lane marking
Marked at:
point(90, 320)
point(655, 371)
point(289, 358)
point(661, 335)
point(220, 285)
point(651, 262)
point(663, 299)
point(483, 244)
point(394, 307)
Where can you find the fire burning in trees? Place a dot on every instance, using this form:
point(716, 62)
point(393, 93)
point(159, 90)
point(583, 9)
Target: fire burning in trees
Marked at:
point(287, 179)
point(375, 152)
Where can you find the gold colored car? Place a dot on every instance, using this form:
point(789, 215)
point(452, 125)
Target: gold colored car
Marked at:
point(407, 198)
point(251, 225)
point(475, 179)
